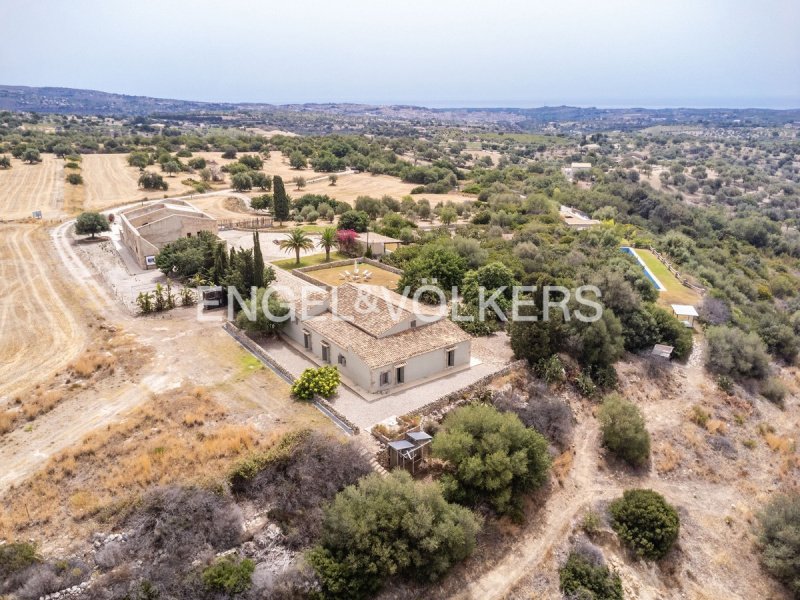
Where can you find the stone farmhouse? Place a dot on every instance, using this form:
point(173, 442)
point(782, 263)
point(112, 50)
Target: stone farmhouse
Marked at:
point(147, 229)
point(377, 338)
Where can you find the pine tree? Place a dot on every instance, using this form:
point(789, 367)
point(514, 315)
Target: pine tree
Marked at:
point(280, 200)
point(258, 262)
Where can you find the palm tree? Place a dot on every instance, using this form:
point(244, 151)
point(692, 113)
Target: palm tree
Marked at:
point(328, 241)
point(296, 240)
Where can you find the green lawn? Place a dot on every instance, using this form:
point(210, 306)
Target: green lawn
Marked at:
point(307, 227)
point(676, 292)
point(307, 261)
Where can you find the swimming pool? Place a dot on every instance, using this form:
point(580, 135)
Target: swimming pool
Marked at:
point(659, 286)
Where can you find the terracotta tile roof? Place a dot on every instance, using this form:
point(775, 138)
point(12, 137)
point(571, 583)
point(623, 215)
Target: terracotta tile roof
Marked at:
point(294, 290)
point(378, 352)
point(375, 309)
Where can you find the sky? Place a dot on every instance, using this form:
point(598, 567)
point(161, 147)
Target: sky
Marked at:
point(523, 53)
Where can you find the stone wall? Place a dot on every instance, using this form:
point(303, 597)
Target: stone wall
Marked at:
point(464, 394)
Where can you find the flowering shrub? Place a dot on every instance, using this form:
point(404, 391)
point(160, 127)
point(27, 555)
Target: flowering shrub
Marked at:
point(322, 381)
point(346, 241)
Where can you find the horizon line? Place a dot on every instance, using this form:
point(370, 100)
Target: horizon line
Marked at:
point(438, 105)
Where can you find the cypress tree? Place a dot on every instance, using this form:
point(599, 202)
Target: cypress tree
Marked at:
point(258, 262)
point(280, 200)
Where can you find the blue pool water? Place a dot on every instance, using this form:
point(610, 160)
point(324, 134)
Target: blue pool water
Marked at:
point(647, 272)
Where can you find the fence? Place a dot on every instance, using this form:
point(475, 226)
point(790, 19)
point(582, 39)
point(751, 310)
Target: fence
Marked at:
point(322, 405)
point(674, 271)
point(252, 223)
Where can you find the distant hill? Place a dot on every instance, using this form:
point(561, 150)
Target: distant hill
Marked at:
point(91, 102)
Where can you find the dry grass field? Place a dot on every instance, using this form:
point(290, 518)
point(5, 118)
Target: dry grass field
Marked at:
point(25, 188)
point(41, 330)
point(348, 187)
point(109, 181)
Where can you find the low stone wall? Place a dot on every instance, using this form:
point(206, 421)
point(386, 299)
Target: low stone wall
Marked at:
point(463, 395)
point(322, 404)
point(348, 261)
point(308, 279)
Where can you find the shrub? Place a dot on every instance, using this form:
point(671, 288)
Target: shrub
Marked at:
point(735, 353)
point(74, 179)
point(322, 381)
point(725, 384)
point(582, 576)
point(780, 540)
point(585, 385)
point(229, 575)
point(774, 390)
point(550, 369)
point(389, 526)
point(491, 456)
point(591, 522)
point(624, 432)
point(15, 557)
point(646, 522)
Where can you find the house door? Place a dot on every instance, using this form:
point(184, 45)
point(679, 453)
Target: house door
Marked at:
point(400, 374)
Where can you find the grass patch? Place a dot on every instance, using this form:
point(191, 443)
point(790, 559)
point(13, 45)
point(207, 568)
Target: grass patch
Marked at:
point(676, 292)
point(333, 276)
point(307, 261)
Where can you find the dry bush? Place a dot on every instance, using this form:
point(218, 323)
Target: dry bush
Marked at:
point(715, 426)
point(777, 443)
point(667, 458)
point(562, 465)
point(296, 484)
point(91, 362)
point(49, 577)
point(552, 417)
point(7, 419)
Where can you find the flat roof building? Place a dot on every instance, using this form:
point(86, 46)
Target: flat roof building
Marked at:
point(147, 229)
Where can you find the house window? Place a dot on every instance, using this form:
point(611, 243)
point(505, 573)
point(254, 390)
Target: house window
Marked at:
point(188, 234)
point(306, 340)
point(326, 352)
point(400, 374)
point(414, 323)
point(342, 360)
point(385, 378)
point(451, 357)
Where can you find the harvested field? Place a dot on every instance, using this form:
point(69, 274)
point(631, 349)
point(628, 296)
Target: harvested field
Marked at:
point(40, 326)
point(25, 188)
point(109, 181)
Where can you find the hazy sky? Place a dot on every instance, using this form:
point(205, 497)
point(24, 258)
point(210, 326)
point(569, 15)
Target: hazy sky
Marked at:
point(430, 52)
